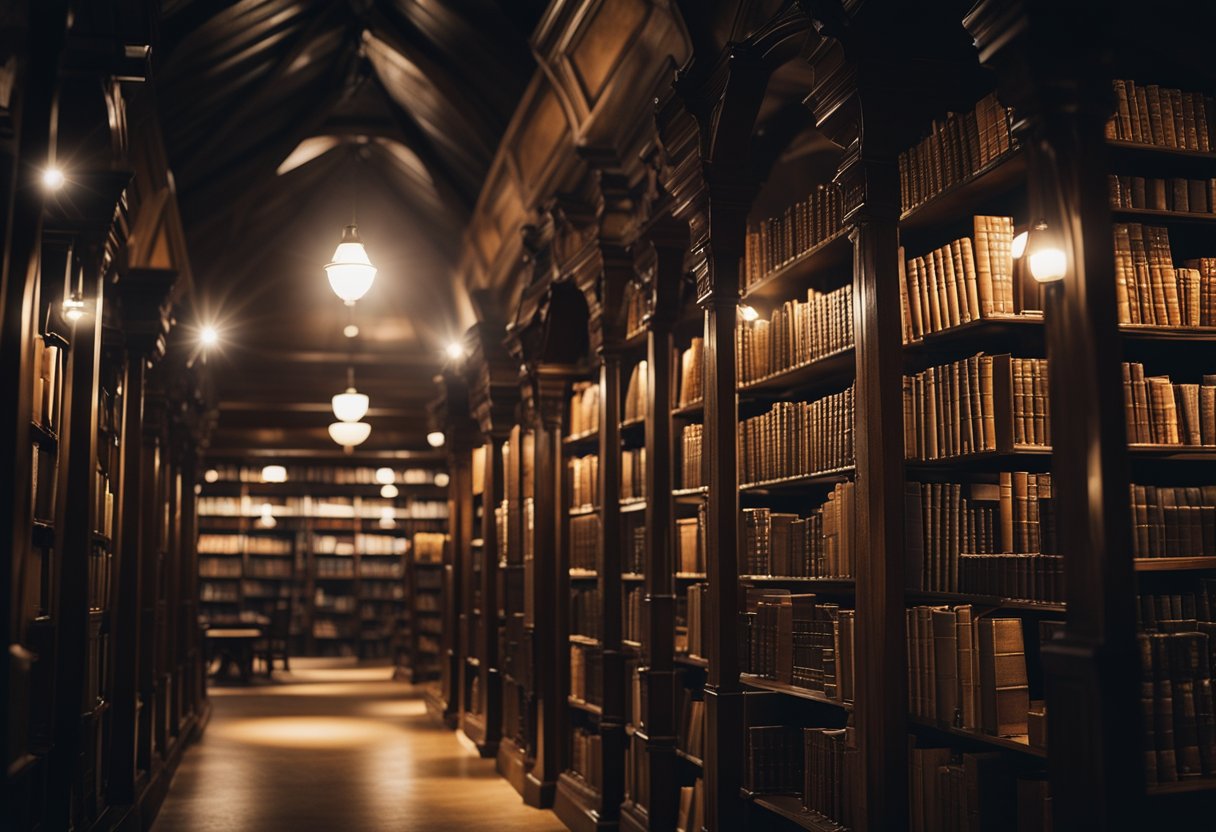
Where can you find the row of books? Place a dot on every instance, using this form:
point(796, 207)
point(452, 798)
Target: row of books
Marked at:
point(269, 569)
point(690, 733)
point(632, 624)
point(265, 589)
point(696, 598)
point(633, 538)
point(796, 439)
point(982, 403)
point(794, 639)
point(637, 304)
point(633, 474)
point(585, 408)
point(219, 568)
point(968, 670)
point(1176, 697)
point(584, 477)
point(637, 392)
point(951, 791)
point(1161, 116)
point(1161, 412)
point(1155, 194)
point(334, 568)
point(954, 150)
point(48, 385)
point(821, 545)
point(586, 682)
point(586, 611)
point(776, 241)
point(328, 544)
point(1012, 512)
point(429, 547)
point(382, 544)
point(691, 815)
point(1021, 577)
point(1173, 521)
point(380, 569)
point(585, 542)
point(1149, 289)
point(796, 333)
point(962, 281)
point(692, 473)
point(690, 543)
point(220, 593)
point(691, 388)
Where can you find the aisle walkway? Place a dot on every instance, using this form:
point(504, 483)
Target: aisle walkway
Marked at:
point(336, 748)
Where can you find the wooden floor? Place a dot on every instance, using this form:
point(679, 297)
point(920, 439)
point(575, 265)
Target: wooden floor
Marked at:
point(332, 748)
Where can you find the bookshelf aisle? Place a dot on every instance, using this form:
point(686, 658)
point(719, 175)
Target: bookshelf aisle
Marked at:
point(327, 552)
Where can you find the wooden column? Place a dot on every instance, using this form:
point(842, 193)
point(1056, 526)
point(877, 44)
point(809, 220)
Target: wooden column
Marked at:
point(1053, 74)
point(74, 541)
point(612, 656)
point(660, 721)
point(152, 486)
point(142, 294)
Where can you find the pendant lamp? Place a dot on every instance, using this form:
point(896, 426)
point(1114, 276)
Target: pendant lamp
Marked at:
point(350, 273)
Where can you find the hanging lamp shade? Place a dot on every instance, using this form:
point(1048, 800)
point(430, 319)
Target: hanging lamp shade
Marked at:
point(351, 405)
point(351, 273)
point(386, 476)
point(349, 434)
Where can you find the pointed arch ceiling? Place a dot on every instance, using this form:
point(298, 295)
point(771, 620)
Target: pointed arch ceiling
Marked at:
point(283, 118)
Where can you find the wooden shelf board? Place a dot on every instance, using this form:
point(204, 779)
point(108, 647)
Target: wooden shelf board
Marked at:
point(961, 199)
point(994, 601)
point(43, 436)
point(822, 584)
point(1177, 453)
point(695, 491)
point(1188, 786)
point(587, 641)
point(689, 411)
point(1181, 564)
point(633, 504)
point(632, 576)
point(1143, 150)
point(980, 458)
point(790, 807)
point(582, 511)
point(826, 370)
point(1153, 332)
point(690, 758)
point(585, 438)
point(583, 574)
point(1155, 214)
point(792, 690)
point(690, 660)
point(1006, 743)
point(691, 576)
point(579, 704)
point(834, 251)
point(631, 645)
point(986, 327)
point(817, 480)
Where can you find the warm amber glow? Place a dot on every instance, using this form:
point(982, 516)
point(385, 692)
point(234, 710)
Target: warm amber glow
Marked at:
point(386, 476)
point(53, 178)
point(351, 272)
point(274, 473)
point(1048, 265)
point(454, 349)
point(208, 336)
point(1019, 245)
point(350, 406)
point(388, 491)
point(436, 439)
point(748, 313)
point(349, 434)
point(212, 475)
point(308, 732)
point(442, 480)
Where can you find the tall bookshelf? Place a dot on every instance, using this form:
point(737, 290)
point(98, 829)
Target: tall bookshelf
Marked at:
point(338, 555)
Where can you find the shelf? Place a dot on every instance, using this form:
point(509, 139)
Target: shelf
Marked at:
point(632, 576)
point(585, 438)
point(835, 251)
point(632, 505)
point(990, 327)
point(1156, 215)
point(477, 541)
point(583, 574)
point(690, 758)
point(790, 808)
point(42, 534)
point(792, 690)
point(691, 576)
point(689, 411)
point(584, 706)
point(826, 371)
point(696, 491)
point(582, 511)
point(1175, 453)
point(635, 646)
point(1174, 158)
point(1153, 332)
point(817, 480)
point(690, 660)
point(1188, 786)
point(818, 584)
point(994, 601)
point(1019, 453)
point(974, 737)
point(586, 641)
point(963, 198)
point(1183, 564)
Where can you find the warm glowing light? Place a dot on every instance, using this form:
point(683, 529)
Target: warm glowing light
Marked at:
point(454, 349)
point(274, 473)
point(208, 336)
point(1019, 245)
point(311, 732)
point(442, 479)
point(389, 491)
point(386, 476)
point(267, 521)
point(53, 178)
point(748, 313)
point(1048, 264)
point(351, 273)
point(387, 522)
point(436, 439)
point(212, 475)
point(350, 331)
point(74, 308)
point(349, 434)
point(350, 406)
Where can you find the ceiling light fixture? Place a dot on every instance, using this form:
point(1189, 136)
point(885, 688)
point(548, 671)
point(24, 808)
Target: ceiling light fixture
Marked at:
point(53, 178)
point(208, 336)
point(350, 273)
point(349, 434)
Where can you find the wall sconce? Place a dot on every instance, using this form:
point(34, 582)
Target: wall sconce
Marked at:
point(748, 313)
point(1044, 254)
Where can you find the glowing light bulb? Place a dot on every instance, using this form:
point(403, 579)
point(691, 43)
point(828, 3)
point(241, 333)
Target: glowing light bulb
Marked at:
point(53, 178)
point(748, 313)
point(389, 491)
point(208, 336)
point(351, 272)
point(442, 479)
point(349, 434)
point(386, 476)
point(74, 309)
point(350, 331)
point(350, 406)
point(274, 473)
point(1019, 245)
point(212, 475)
point(454, 349)
point(1048, 264)
point(436, 439)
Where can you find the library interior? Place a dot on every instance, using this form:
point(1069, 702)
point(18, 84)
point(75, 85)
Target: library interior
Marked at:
point(607, 415)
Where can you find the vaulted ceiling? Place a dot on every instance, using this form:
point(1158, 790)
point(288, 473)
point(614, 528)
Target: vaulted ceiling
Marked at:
point(286, 118)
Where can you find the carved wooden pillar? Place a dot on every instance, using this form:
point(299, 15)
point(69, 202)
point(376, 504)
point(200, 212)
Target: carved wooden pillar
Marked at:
point(143, 293)
point(1053, 74)
point(152, 474)
point(660, 721)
